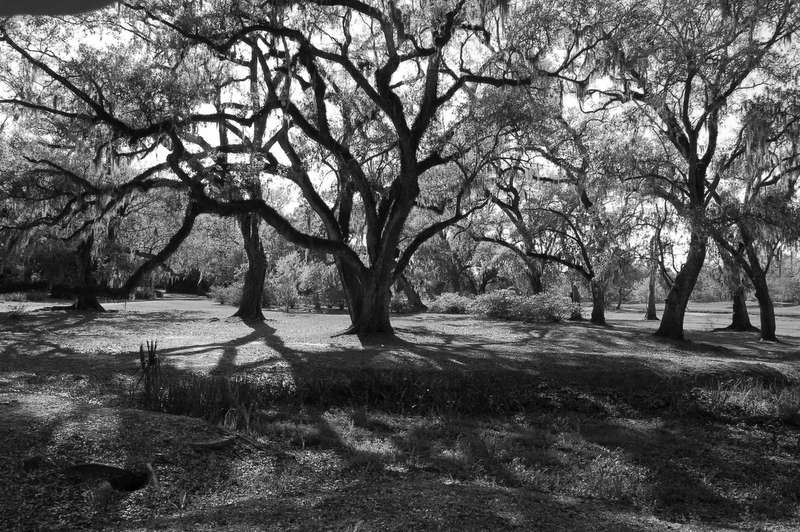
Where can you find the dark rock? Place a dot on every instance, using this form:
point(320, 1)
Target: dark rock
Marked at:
point(119, 478)
point(33, 462)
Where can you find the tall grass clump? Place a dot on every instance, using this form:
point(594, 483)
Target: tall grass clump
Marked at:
point(751, 397)
point(404, 391)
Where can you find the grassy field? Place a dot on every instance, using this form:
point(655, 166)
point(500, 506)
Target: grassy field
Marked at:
point(456, 423)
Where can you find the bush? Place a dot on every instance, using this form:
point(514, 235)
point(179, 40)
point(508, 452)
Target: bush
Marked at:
point(29, 296)
point(284, 293)
point(450, 303)
point(499, 304)
point(14, 296)
point(227, 295)
point(555, 307)
point(144, 292)
point(786, 288)
point(399, 304)
point(508, 305)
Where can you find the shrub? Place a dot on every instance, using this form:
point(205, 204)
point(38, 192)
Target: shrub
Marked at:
point(450, 303)
point(15, 296)
point(499, 304)
point(555, 307)
point(30, 296)
point(507, 305)
point(144, 292)
point(284, 293)
point(399, 304)
point(786, 288)
point(285, 280)
point(227, 295)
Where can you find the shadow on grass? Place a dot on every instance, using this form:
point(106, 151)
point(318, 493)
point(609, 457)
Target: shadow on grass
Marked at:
point(418, 448)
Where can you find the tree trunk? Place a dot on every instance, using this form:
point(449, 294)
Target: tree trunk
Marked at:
point(535, 277)
point(651, 295)
point(453, 279)
point(536, 282)
point(765, 307)
point(414, 301)
point(575, 297)
point(741, 318)
point(675, 308)
point(487, 277)
point(368, 296)
point(87, 285)
point(598, 302)
point(758, 276)
point(620, 297)
point(575, 294)
point(253, 290)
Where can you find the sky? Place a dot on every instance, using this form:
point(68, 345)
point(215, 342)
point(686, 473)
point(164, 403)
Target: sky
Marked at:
point(48, 7)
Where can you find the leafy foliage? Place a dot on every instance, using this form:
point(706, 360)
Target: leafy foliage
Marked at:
point(451, 303)
point(507, 305)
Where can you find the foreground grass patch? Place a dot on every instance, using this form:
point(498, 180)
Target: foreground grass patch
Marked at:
point(718, 451)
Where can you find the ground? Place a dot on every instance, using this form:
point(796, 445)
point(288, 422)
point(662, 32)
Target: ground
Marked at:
point(626, 432)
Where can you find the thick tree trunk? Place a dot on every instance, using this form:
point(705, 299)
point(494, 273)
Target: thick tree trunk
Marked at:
point(368, 300)
point(414, 301)
point(534, 276)
point(740, 320)
point(87, 285)
point(598, 302)
point(758, 276)
point(253, 290)
point(765, 307)
point(368, 296)
point(651, 314)
point(675, 308)
point(535, 279)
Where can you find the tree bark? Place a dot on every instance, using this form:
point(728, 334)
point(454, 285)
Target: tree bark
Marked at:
point(758, 276)
point(87, 285)
point(535, 277)
point(675, 308)
point(598, 302)
point(536, 282)
point(740, 320)
point(765, 307)
point(414, 301)
point(253, 290)
point(368, 296)
point(651, 314)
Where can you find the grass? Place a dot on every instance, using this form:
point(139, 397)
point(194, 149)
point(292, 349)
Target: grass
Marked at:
point(459, 424)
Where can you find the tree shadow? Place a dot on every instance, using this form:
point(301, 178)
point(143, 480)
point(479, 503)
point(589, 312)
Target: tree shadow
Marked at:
point(444, 486)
